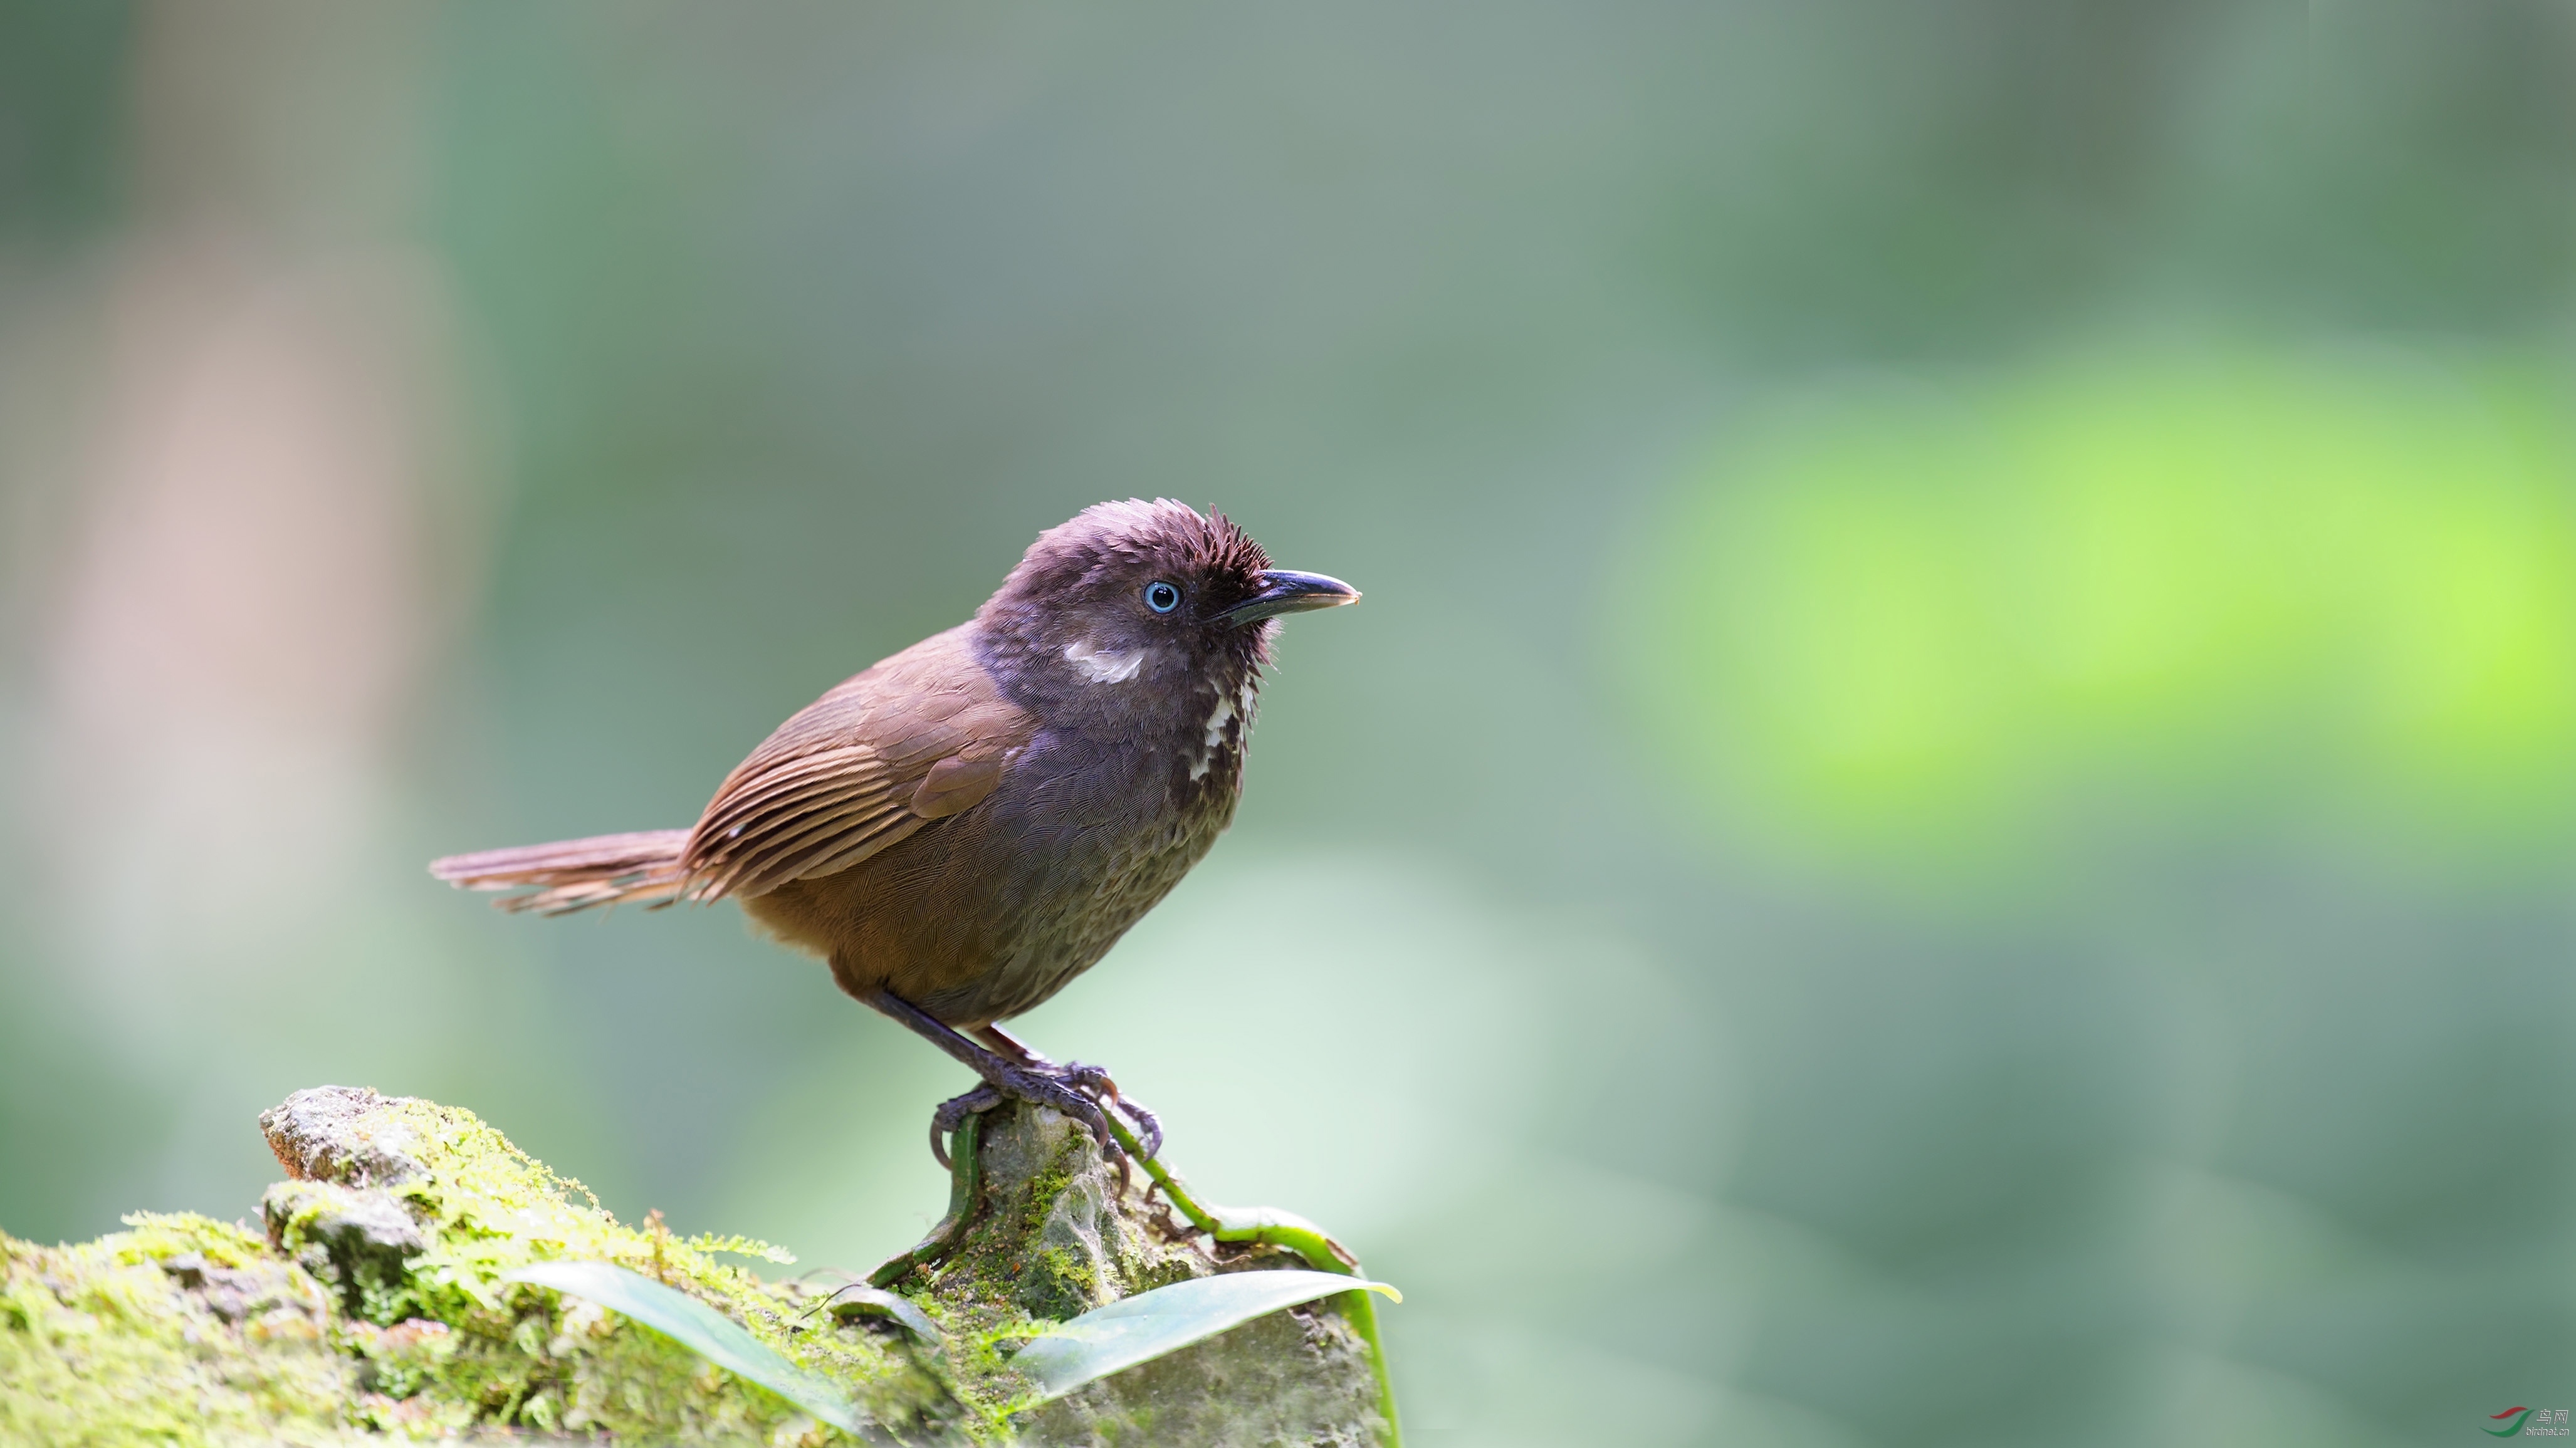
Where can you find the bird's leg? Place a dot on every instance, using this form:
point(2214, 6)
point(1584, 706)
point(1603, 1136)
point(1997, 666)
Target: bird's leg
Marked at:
point(1037, 1084)
point(1009, 1046)
point(1092, 1081)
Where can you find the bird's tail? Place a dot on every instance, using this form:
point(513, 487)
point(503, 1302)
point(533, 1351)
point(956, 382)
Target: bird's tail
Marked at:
point(641, 868)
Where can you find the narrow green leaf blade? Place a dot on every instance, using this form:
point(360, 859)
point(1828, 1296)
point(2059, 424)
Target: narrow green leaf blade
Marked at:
point(698, 1327)
point(859, 1297)
point(1148, 1325)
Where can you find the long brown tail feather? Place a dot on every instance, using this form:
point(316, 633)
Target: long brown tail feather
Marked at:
point(640, 868)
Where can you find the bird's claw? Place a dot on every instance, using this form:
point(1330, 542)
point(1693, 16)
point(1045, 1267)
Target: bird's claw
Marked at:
point(1092, 1081)
point(1085, 1093)
point(952, 1114)
point(1071, 1089)
point(1149, 1127)
point(1095, 1082)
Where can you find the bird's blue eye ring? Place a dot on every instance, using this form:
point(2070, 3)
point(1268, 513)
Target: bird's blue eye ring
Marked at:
point(1162, 597)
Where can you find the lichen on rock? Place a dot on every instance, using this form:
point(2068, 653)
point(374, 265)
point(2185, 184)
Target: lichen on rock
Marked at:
point(372, 1301)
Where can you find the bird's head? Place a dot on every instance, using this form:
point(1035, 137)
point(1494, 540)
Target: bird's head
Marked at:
point(1151, 594)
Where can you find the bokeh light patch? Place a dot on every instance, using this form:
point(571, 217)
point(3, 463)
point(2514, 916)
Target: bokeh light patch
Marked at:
point(1931, 624)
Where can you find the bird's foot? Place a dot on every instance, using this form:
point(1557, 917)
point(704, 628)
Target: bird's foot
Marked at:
point(1085, 1093)
point(1094, 1083)
point(1149, 1127)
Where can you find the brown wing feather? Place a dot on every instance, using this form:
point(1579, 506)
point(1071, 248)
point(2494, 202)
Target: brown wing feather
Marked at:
point(954, 785)
point(920, 736)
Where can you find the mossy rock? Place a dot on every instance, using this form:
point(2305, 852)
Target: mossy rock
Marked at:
point(371, 1303)
point(1060, 1233)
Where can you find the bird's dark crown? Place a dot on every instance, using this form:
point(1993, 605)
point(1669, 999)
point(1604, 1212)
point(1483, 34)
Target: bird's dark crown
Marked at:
point(1109, 545)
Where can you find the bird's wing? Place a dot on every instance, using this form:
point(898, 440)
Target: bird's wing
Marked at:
point(918, 737)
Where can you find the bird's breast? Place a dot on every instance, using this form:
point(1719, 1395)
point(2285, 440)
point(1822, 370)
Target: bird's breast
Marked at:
point(985, 914)
point(1083, 838)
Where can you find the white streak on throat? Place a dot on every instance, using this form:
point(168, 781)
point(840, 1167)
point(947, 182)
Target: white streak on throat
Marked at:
point(1226, 711)
point(1104, 666)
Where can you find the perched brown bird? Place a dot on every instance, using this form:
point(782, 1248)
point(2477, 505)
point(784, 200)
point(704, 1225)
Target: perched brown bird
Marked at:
point(968, 825)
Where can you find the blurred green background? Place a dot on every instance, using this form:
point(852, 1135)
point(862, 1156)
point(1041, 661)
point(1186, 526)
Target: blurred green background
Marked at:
point(1950, 820)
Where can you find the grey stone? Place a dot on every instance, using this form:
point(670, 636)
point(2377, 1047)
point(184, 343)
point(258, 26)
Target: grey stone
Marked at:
point(341, 1134)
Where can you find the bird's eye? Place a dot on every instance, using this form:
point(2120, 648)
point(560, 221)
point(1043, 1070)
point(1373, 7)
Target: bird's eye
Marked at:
point(1162, 597)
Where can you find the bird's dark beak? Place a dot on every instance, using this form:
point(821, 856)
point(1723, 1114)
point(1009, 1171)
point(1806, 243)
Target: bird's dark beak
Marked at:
point(1286, 591)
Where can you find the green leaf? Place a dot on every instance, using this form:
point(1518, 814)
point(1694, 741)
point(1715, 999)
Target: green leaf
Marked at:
point(1146, 1326)
point(859, 1299)
point(701, 1329)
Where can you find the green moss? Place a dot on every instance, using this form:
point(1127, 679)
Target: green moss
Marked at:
point(101, 1345)
point(375, 1303)
point(1057, 1283)
point(1044, 1189)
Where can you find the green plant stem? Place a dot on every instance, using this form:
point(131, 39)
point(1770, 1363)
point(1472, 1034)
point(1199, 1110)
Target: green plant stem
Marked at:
point(1303, 1238)
point(965, 1187)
